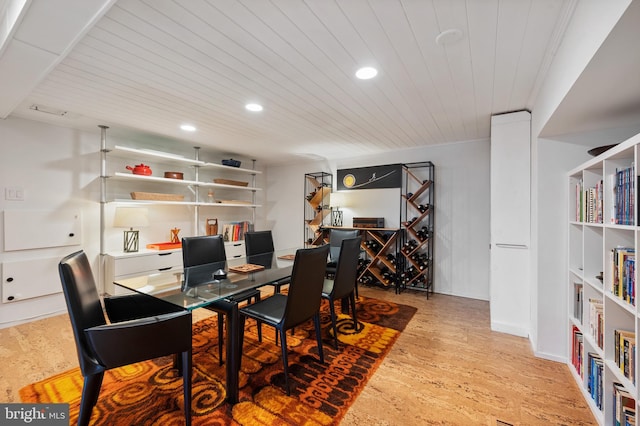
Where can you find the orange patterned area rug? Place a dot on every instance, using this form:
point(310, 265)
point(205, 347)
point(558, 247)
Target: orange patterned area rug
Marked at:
point(150, 393)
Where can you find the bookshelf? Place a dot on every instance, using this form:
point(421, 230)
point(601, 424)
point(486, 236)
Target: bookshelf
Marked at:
point(603, 317)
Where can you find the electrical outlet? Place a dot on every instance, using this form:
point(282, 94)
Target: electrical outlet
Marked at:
point(14, 193)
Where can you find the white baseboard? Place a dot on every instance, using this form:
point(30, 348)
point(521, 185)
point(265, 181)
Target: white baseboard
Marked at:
point(509, 329)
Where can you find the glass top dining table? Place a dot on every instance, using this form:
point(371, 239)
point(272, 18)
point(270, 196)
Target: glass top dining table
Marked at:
point(211, 285)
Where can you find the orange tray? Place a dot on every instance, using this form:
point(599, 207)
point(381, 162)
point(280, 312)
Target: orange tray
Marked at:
point(164, 246)
point(247, 268)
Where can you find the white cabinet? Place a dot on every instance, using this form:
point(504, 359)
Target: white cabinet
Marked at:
point(510, 178)
point(603, 316)
point(510, 223)
point(126, 265)
point(234, 249)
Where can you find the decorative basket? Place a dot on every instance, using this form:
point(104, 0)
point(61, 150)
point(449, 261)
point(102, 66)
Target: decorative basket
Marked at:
point(231, 182)
point(156, 196)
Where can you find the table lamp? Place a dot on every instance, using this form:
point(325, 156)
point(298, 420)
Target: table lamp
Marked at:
point(130, 217)
point(337, 199)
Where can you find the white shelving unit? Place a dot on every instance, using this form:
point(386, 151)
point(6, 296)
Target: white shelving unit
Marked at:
point(601, 231)
point(117, 184)
point(193, 165)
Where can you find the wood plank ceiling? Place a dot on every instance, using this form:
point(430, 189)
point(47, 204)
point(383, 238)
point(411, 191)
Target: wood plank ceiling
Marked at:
point(149, 66)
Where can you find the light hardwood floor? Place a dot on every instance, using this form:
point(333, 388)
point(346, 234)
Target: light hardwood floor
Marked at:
point(446, 368)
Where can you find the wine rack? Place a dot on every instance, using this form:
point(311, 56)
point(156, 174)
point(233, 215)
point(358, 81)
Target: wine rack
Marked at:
point(316, 209)
point(418, 222)
point(379, 266)
point(380, 245)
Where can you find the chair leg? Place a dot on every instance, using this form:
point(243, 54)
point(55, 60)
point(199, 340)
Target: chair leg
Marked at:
point(285, 360)
point(177, 363)
point(316, 320)
point(259, 323)
point(90, 392)
point(242, 319)
point(352, 298)
point(186, 382)
point(332, 310)
point(220, 335)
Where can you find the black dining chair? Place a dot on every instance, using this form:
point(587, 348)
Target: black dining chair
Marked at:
point(140, 328)
point(344, 282)
point(210, 249)
point(335, 242)
point(301, 304)
point(259, 243)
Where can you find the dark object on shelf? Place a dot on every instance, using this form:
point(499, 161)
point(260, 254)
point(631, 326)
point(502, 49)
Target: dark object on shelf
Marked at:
point(599, 276)
point(368, 222)
point(174, 175)
point(600, 149)
point(231, 162)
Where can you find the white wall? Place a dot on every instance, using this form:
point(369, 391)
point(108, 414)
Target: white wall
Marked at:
point(56, 168)
point(554, 159)
point(461, 214)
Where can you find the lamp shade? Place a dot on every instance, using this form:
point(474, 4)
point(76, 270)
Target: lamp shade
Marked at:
point(129, 217)
point(339, 199)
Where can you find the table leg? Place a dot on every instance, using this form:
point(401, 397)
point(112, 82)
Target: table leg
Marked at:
point(234, 353)
point(233, 350)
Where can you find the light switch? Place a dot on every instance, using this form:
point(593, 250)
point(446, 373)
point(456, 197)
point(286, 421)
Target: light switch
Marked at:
point(14, 193)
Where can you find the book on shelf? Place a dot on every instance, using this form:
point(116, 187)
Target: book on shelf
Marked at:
point(234, 231)
point(624, 198)
point(577, 346)
point(624, 353)
point(623, 283)
point(589, 205)
point(624, 406)
point(595, 367)
point(577, 301)
point(596, 321)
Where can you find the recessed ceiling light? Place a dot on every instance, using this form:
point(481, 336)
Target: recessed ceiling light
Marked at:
point(365, 73)
point(188, 127)
point(253, 107)
point(449, 36)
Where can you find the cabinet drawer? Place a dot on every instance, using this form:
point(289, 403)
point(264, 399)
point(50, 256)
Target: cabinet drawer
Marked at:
point(146, 262)
point(234, 249)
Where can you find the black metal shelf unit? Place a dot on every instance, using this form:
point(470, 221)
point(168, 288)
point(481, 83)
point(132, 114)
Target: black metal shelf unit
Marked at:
point(317, 212)
point(418, 222)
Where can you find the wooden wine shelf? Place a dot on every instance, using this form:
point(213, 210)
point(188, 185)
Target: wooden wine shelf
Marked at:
point(377, 259)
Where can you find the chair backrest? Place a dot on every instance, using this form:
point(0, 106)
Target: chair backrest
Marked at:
point(258, 242)
point(305, 290)
point(201, 250)
point(83, 304)
point(347, 269)
point(335, 241)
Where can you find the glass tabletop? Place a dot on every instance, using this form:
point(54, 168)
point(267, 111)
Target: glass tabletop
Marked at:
point(197, 286)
